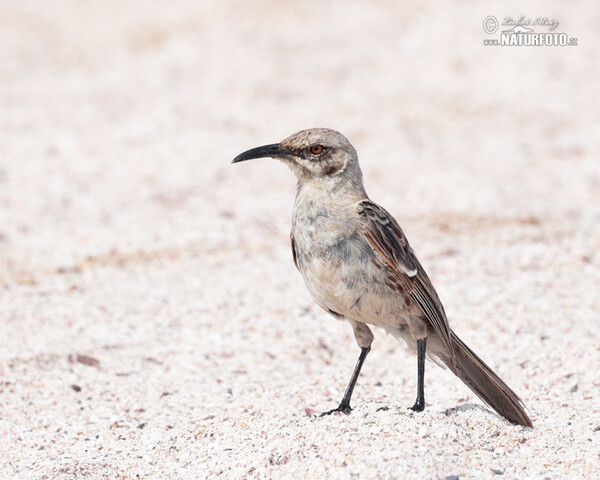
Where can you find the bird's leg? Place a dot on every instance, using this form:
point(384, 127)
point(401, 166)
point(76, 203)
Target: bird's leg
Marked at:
point(345, 403)
point(419, 405)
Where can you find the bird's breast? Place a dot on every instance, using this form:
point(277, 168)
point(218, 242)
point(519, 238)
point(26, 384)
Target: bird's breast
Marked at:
point(341, 271)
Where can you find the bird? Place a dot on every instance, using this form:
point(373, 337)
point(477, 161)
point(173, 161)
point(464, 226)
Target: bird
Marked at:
point(358, 266)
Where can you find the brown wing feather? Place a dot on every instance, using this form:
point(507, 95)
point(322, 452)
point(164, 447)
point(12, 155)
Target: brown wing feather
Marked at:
point(390, 244)
point(294, 255)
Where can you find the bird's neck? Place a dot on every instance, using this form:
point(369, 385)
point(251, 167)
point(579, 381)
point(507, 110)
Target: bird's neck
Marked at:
point(323, 207)
point(331, 190)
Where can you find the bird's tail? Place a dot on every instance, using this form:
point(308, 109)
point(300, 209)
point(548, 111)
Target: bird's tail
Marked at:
point(486, 384)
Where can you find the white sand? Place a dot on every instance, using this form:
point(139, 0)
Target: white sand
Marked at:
point(139, 266)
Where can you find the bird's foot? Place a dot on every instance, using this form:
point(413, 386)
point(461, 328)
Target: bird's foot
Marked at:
point(343, 408)
point(419, 406)
point(383, 409)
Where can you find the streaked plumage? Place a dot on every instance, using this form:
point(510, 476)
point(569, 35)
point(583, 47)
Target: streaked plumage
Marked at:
point(358, 265)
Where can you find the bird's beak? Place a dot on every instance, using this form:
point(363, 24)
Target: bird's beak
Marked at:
point(274, 151)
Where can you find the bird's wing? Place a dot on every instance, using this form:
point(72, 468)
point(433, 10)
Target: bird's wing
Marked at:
point(389, 243)
point(294, 254)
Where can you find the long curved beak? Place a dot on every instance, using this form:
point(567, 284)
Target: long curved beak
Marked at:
point(274, 151)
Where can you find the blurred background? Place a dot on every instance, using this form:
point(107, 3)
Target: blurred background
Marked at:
point(118, 120)
point(126, 235)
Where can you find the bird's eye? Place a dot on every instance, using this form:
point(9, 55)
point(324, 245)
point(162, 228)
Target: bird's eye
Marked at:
point(316, 149)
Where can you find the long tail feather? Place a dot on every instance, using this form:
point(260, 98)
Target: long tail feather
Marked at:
point(486, 384)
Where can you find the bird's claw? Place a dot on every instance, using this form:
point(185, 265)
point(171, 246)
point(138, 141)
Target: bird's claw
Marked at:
point(383, 409)
point(343, 408)
point(417, 407)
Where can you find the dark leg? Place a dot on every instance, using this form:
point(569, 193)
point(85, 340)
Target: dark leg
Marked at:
point(419, 405)
point(345, 404)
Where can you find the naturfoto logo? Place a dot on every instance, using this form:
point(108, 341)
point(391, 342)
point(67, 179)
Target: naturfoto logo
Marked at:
point(522, 33)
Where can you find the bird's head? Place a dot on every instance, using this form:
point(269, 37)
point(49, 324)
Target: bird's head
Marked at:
point(314, 154)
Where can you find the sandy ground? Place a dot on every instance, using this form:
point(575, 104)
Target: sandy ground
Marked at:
point(153, 325)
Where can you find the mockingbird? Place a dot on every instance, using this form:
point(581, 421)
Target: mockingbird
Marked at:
point(358, 266)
